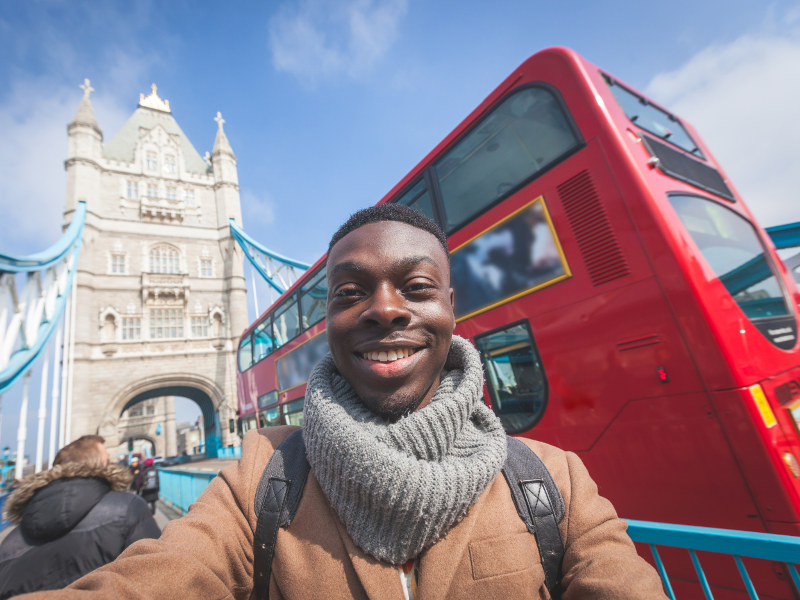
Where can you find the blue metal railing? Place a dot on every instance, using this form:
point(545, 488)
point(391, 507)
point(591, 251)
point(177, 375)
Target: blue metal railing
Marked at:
point(738, 544)
point(230, 452)
point(3, 522)
point(179, 489)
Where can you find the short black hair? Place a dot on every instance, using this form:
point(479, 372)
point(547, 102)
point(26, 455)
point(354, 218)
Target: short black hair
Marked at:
point(391, 212)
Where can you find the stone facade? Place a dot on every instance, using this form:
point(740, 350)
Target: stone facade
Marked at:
point(152, 424)
point(160, 283)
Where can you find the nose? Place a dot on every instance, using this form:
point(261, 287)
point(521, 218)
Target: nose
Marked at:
point(386, 308)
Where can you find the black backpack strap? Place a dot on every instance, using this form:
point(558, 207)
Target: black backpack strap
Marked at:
point(277, 498)
point(540, 505)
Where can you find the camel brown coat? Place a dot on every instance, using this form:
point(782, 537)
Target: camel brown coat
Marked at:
point(489, 554)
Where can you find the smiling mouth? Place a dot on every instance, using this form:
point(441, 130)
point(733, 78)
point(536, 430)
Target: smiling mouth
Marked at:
point(389, 355)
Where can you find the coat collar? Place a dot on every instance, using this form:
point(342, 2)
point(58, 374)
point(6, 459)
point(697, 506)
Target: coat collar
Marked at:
point(118, 477)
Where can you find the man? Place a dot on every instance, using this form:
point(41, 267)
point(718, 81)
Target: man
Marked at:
point(70, 520)
point(405, 497)
point(135, 469)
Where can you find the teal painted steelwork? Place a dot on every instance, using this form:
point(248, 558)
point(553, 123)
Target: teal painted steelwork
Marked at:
point(785, 236)
point(780, 548)
point(252, 248)
point(63, 254)
point(47, 258)
point(181, 488)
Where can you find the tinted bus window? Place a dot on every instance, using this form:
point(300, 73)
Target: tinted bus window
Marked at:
point(294, 367)
point(287, 322)
point(517, 256)
point(249, 423)
point(514, 376)
point(264, 343)
point(651, 118)
point(313, 296)
point(526, 133)
point(293, 412)
point(245, 353)
point(271, 416)
point(418, 198)
point(733, 250)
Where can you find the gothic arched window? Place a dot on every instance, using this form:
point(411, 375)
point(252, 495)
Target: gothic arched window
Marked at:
point(165, 259)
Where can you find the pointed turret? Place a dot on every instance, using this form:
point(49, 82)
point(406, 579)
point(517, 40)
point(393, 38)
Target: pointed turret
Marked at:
point(85, 146)
point(85, 114)
point(226, 177)
point(221, 144)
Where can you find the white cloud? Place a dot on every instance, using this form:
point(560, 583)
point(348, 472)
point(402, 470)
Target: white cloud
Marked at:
point(33, 148)
point(319, 39)
point(742, 99)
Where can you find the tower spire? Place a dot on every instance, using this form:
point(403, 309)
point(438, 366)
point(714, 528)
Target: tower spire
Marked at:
point(85, 112)
point(221, 143)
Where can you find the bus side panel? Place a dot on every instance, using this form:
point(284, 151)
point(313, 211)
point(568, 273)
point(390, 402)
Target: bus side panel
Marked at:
point(247, 391)
point(770, 482)
point(668, 459)
point(612, 357)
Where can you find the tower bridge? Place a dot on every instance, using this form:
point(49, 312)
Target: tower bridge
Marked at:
point(160, 285)
point(157, 298)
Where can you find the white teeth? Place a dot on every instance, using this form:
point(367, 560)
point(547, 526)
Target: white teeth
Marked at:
point(390, 355)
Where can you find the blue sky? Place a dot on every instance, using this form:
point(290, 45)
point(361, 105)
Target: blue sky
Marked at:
point(327, 104)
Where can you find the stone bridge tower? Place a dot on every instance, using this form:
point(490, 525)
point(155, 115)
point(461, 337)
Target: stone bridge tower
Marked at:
point(160, 283)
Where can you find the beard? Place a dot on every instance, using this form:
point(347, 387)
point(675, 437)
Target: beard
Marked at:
point(400, 407)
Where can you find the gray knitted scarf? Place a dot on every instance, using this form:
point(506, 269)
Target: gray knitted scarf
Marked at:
point(400, 487)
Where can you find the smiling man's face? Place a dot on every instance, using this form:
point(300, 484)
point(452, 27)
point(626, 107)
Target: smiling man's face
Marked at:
point(390, 315)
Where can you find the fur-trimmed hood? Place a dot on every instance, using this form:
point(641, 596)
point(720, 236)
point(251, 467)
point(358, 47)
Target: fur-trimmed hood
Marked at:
point(118, 478)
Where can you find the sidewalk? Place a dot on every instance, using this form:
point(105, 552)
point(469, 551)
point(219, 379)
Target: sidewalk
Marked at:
point(164, 514)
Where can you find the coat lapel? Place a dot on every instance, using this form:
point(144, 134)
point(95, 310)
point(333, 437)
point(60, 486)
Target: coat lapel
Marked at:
point(379, 579)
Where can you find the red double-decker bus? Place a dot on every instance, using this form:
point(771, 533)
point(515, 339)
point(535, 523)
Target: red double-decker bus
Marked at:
point(626, 304)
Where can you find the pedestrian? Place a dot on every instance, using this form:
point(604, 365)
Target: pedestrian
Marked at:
point(70, 520)
point(135, 469)
point(405, 497)
point(147, 484)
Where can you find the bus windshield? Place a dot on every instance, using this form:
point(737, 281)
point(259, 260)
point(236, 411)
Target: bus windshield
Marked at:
point(731, 247)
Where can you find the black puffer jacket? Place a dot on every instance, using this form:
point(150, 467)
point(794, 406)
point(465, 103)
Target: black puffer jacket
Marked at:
point(71, 520)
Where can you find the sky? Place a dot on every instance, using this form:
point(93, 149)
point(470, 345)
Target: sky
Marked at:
point(328, 104)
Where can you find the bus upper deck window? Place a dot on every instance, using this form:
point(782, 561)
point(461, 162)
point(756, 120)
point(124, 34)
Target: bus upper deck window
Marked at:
point(313, 296)
point(514, 375)
point(264, 342)
point(525, 134)
point(245, 353)
point(287, 322)
point(418, 198)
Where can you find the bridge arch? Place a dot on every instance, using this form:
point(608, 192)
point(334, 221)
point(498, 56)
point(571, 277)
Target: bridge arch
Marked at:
point(202, 390)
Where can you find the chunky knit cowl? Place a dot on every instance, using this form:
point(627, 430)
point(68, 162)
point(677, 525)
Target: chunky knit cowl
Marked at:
point(400, 487)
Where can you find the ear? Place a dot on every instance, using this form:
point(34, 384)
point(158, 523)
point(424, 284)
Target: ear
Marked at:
point(452, 307)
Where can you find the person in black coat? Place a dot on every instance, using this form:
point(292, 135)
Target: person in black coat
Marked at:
point(70, 520)
point(146, 483)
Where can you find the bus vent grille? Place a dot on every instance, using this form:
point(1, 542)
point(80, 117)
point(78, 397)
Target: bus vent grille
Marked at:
point(593, 234)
